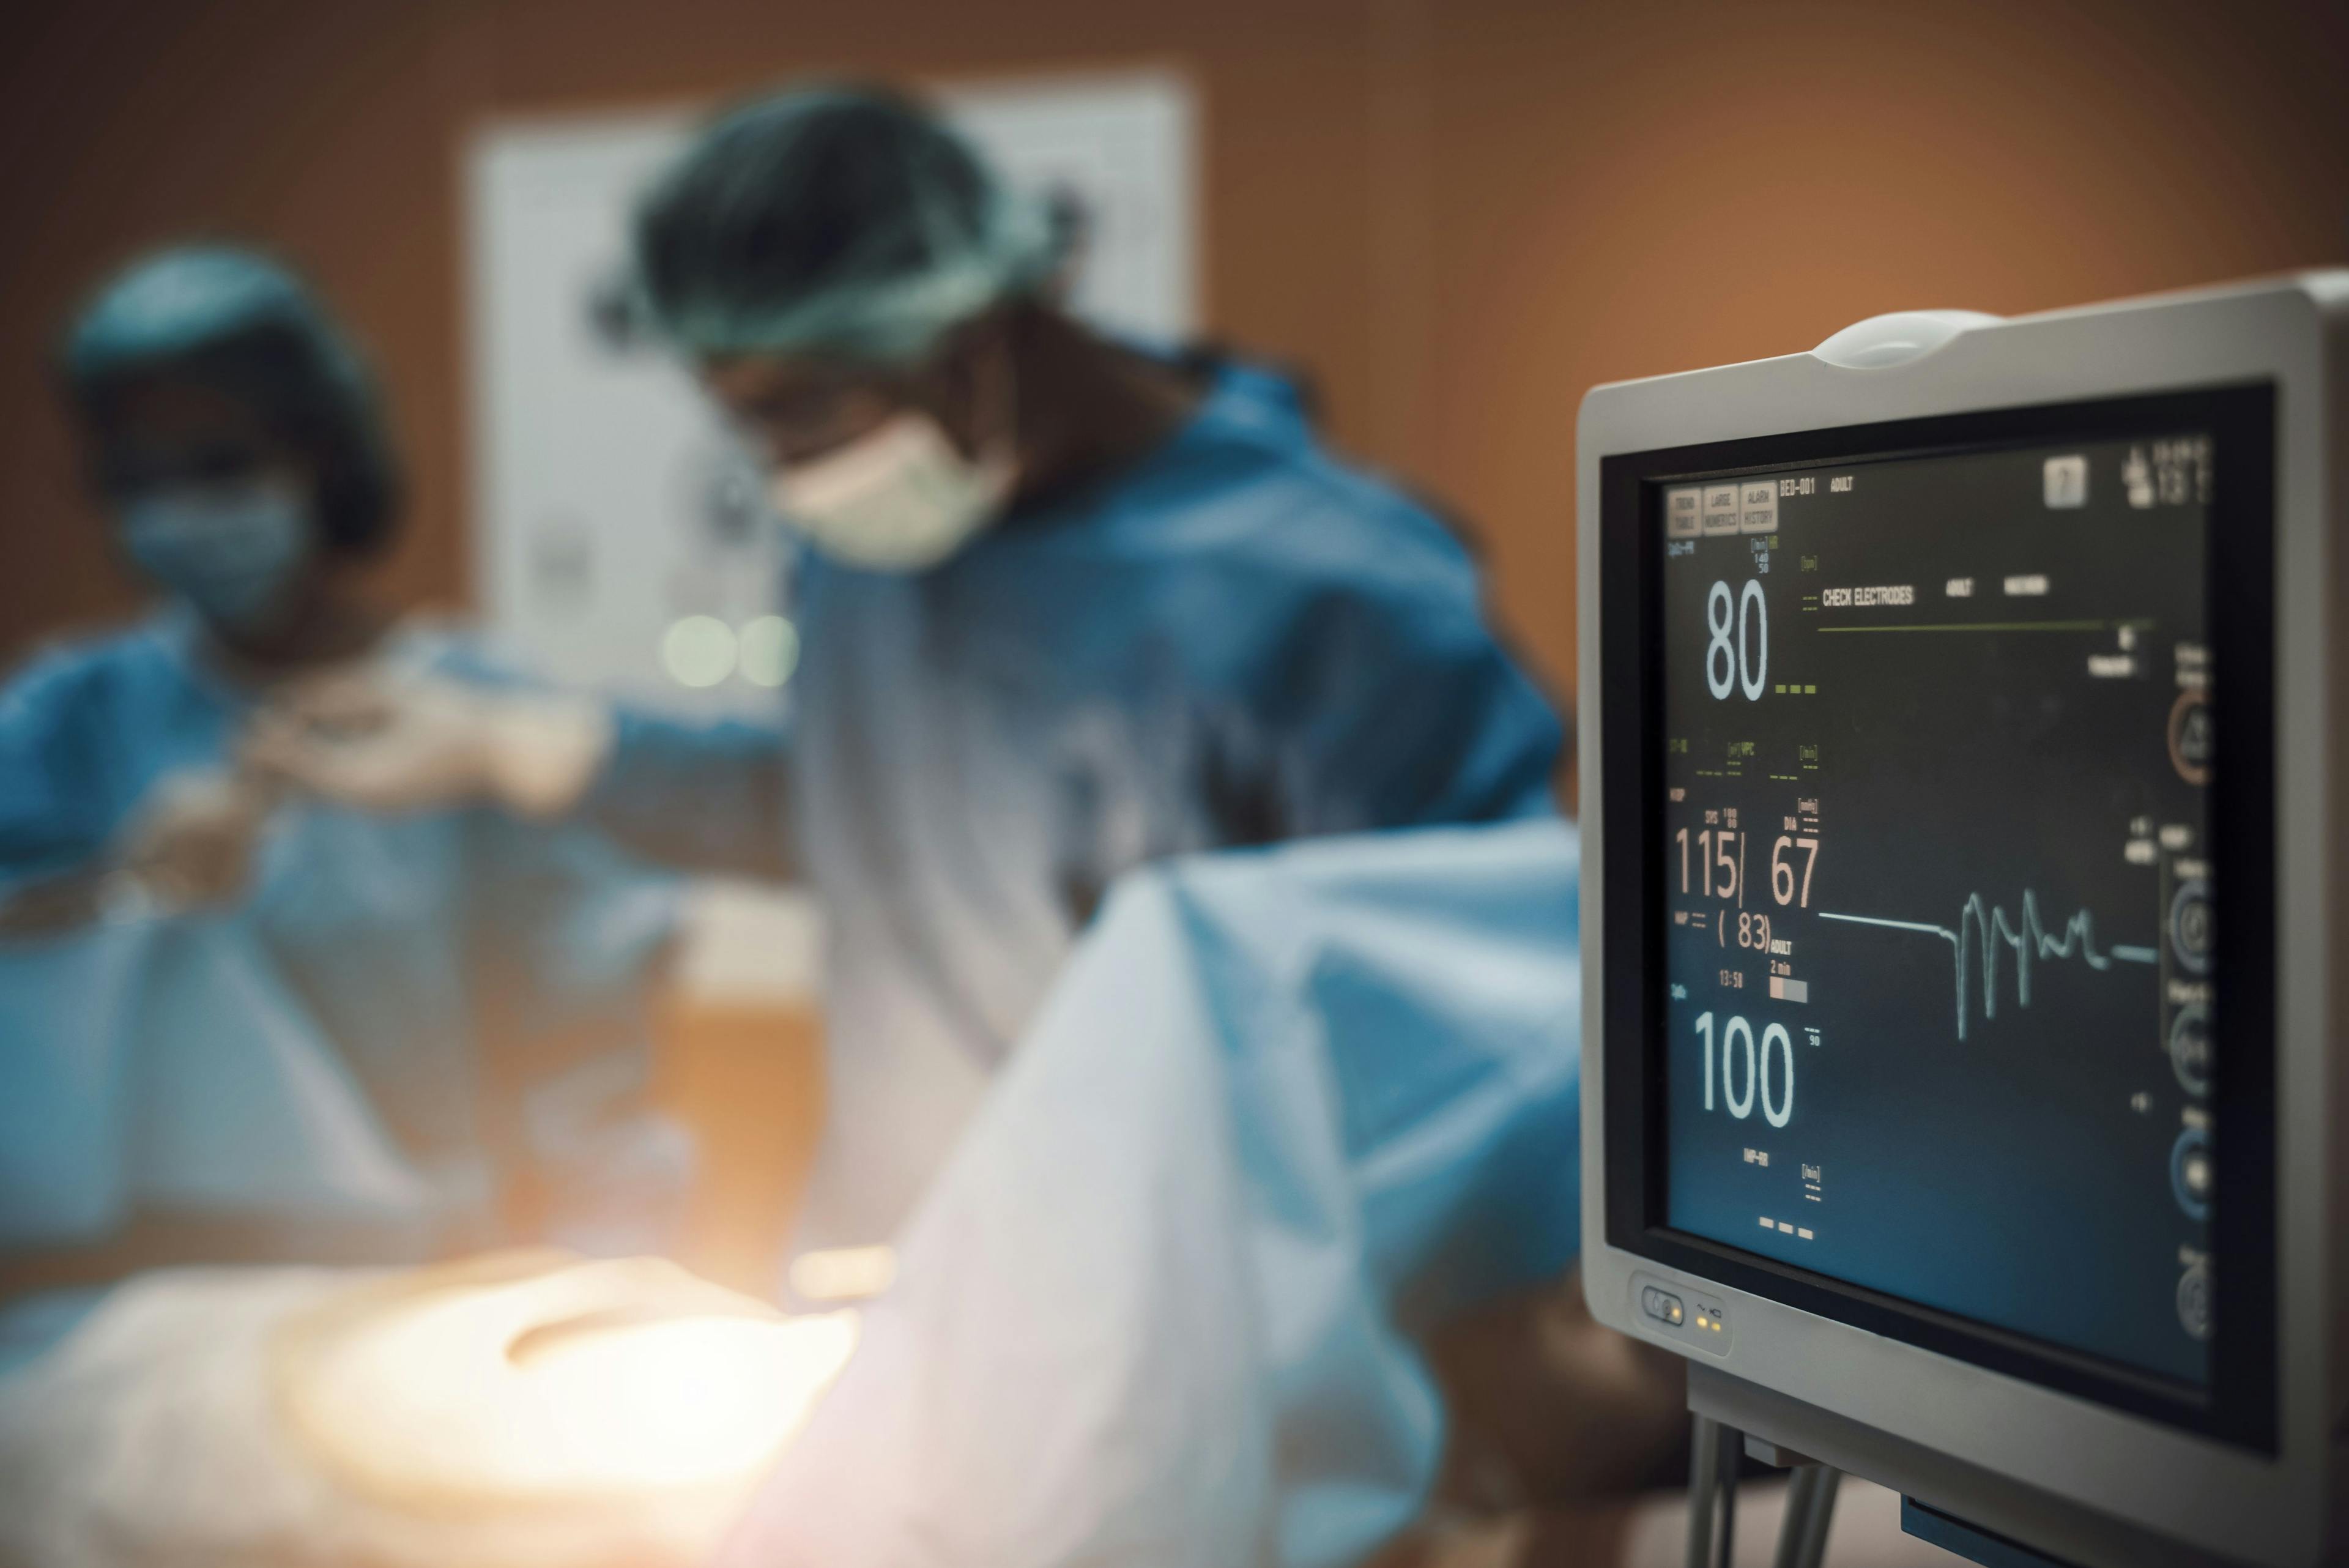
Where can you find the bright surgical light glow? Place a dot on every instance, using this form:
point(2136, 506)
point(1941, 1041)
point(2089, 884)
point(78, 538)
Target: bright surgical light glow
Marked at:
point(769, 650)
point(698, 650)
point(682, 1403)
point(592, 1383)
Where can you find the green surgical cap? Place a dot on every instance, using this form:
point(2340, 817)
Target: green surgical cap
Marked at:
point(180, 301)
point(237, 320)
point(832, 221)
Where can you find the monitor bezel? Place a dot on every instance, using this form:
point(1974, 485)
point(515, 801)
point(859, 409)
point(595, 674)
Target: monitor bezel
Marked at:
point(2240, 1403)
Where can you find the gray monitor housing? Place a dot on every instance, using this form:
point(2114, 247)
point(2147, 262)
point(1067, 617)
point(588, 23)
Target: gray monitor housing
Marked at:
point(2051, 1448)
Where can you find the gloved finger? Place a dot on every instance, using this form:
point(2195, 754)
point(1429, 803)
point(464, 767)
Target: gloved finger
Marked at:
point(387, 774)
point(193, 869)
point(288, 757)
point(261, 790)
point(344, 702)
point(193, 882)
point(277, 751)
point(181, 808)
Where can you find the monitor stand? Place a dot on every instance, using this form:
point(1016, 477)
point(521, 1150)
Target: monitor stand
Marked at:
point(1776, 1429)
point(1715, 1452)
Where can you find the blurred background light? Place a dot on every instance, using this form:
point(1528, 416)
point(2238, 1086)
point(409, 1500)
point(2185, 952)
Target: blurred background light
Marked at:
point(768, 650)
point(699, 650)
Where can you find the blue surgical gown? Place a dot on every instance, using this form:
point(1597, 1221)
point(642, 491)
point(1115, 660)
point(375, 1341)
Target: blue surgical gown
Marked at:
point(451, 1003)
point(1239, 639)
point(1285, 1112)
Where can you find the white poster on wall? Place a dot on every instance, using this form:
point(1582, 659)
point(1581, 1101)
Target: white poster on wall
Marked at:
point(622, 542)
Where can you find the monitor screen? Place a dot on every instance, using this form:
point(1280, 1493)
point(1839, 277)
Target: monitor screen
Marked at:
point(1938, 891)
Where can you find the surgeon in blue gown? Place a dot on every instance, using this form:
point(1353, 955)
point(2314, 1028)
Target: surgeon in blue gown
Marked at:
point(1069, 605)
point(236, 1023)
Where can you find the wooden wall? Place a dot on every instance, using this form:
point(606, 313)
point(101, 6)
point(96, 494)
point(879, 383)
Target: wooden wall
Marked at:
point(1457, 214)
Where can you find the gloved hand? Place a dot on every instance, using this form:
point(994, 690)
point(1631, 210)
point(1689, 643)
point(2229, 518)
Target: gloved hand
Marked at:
point(400, 743)
point(190, 843)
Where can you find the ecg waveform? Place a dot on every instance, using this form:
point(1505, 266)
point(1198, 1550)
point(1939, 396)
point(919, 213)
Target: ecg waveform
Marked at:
point(1983, 927)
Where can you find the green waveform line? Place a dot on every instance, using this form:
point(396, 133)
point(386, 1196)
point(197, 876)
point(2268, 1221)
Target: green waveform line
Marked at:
point(2029, 941)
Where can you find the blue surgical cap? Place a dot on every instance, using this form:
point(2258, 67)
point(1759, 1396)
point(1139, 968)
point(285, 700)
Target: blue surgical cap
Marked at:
point(837, 220)
point(235, 320)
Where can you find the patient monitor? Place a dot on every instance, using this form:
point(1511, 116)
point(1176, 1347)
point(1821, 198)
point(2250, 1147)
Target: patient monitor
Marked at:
point(1966, 913)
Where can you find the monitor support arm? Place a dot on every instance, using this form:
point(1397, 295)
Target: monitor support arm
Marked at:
point(1715, 1451)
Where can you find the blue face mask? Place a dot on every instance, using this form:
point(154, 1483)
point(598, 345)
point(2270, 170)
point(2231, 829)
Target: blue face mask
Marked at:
point(230, 551)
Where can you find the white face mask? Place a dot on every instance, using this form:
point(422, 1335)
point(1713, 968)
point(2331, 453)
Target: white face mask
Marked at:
point(899, 499)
